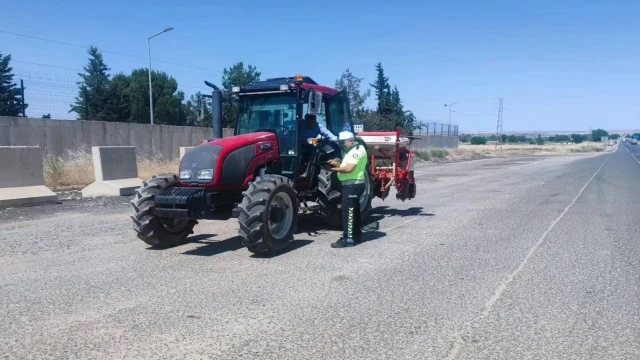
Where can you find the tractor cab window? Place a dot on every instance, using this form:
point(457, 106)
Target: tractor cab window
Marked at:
point(339, 115)
point(272, 112)
point(320, 118)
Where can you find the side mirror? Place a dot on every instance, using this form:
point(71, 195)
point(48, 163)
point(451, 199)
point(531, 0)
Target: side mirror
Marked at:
point(315, 103)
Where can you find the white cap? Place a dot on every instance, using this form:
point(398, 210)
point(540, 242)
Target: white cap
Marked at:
point(345, 135)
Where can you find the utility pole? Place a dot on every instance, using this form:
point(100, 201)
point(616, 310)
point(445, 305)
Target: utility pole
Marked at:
point(450, 110)
point(499, 126)
point(150, 90)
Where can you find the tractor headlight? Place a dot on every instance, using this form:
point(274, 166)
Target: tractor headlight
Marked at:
point(205, 174)
point(185, 174)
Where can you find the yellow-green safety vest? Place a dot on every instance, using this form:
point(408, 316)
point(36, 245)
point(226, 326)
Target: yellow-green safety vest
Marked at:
point(356, 155)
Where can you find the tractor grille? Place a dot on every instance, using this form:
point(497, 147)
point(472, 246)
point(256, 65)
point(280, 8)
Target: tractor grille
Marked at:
point(181, 196)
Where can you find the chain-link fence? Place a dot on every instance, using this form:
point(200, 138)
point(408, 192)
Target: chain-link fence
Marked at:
point(436, 128)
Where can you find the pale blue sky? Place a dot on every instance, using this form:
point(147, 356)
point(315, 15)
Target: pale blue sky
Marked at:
point(559, 65)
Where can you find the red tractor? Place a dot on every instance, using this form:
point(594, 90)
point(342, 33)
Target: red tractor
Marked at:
point(262, 176)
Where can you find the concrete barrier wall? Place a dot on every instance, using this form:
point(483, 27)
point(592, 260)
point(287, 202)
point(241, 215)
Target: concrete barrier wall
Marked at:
point(114, 162)
point(57, 136)
point(21, 166)
point(435, 141)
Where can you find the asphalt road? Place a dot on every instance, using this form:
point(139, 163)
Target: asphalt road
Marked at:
point(511, 258)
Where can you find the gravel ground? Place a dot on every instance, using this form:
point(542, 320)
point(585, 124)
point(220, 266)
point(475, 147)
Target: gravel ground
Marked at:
point(507, 258)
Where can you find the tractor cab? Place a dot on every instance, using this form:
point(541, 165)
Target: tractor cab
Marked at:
point(283, 106)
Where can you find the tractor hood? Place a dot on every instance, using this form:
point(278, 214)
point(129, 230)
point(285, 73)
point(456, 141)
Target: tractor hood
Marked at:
point(224, 163)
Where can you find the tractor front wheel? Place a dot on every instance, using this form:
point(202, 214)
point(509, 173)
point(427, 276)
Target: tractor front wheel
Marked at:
point(268, 214)
point(153, 230)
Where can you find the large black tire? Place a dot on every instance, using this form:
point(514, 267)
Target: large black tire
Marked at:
point(155, 231)
point(330, 198)
point(268, 214)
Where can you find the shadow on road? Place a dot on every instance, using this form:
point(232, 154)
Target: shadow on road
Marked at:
point(311, 225)
point(386, 211)
point(294, 245)
point(211, 248)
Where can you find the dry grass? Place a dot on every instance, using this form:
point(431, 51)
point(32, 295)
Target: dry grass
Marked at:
point(437, 154)
point(75, 169)
point(157, 166)
point(527, 149)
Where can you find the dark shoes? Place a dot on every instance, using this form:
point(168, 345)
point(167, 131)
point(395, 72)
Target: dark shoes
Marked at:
point(344, 243)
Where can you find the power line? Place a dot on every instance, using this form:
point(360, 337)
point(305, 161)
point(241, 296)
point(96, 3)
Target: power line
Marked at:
point(72, 69)
point(107, 51)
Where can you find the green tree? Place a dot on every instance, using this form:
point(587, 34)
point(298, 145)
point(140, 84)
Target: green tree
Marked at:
point(614, 137)
point(578, 138)
point(10, 94)
point(93, 93)
point(167, 100)
point(118, 101)
point(399, 116)
point(598, 134)
point(539, 140)
point(191, 111)
point(478, 140)
point(503, 138)
point(236, 75)
point(350, 84)
point(382, 91)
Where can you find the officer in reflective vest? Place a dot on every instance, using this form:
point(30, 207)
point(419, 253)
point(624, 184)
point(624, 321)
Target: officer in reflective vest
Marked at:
point(351, 173)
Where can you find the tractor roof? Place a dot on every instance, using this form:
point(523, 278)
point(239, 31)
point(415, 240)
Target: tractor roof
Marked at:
point(273, 84)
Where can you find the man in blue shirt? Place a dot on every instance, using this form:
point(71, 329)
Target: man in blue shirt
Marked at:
point(313, 129)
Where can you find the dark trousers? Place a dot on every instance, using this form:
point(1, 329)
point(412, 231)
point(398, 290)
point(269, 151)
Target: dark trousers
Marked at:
point(351, 225)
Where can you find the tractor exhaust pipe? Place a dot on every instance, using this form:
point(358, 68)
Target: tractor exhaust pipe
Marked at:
point(216, 110)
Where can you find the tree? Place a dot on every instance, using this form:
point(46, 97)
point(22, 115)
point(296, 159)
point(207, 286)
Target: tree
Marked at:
point(119, 98)
point(478, 140)
point(350, 84)
point(614, 137)
point(10, 94)
point(167, 100)
point(598, 134)
point(191, 111)
point(577, 138)
point(382, 90)
point(46, 116)
point(93, 91)
point(236, 75)
point(539, 140)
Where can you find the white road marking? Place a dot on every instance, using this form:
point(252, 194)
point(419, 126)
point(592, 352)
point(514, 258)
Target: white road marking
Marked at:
point(459, 340)
point(632, 156)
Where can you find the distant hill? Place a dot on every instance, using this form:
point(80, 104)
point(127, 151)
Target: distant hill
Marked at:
point(547, 133)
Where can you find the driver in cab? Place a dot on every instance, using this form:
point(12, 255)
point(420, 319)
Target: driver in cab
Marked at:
point(312, 129)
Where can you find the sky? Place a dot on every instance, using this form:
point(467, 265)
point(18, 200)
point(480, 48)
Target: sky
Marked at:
point(559, 65)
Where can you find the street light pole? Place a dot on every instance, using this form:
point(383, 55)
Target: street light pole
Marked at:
point(150, 90)
point(450, 105)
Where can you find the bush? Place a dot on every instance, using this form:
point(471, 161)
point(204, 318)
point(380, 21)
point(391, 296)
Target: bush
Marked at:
point(431, 154)
point(478, 140)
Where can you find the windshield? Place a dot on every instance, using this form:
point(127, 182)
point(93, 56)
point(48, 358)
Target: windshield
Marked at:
point(270, 111)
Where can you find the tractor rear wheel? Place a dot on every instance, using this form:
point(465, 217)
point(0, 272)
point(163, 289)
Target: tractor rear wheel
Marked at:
point(153, 230)
point(268, 214)
point(330, 197)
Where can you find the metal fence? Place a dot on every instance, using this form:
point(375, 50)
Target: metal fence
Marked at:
point(436, 128)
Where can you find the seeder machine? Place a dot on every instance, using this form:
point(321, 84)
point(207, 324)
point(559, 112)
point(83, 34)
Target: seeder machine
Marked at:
point(391, 162)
